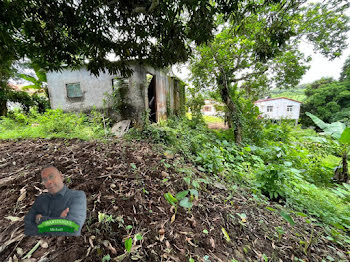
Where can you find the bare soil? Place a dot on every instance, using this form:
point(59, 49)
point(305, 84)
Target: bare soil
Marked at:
point(128, 180)
point(218, 125)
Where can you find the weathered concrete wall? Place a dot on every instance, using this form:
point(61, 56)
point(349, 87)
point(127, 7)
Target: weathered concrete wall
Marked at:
point(134, 98)
point(279, 109)
point(93, 88)
point(137, 93)
point(162, 90)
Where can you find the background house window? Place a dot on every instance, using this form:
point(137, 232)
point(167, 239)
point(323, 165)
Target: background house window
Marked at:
point(74, 90)
point(207, 108)
point(269, 108)
point(289, 108)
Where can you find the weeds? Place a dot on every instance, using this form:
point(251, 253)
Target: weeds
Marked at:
point(53, 124)
point(288, 164)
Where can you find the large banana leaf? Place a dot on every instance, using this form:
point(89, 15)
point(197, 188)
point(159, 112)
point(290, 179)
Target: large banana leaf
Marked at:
point(334, 129)
point(345, 136)
point(28, 78)
point(39, 72)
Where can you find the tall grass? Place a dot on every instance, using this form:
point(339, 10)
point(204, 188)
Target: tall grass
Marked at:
point(52, 124)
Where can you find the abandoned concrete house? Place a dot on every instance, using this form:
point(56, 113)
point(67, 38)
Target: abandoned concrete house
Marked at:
point(146, 89)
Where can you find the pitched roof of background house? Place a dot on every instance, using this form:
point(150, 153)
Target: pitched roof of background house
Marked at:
point(276, 98)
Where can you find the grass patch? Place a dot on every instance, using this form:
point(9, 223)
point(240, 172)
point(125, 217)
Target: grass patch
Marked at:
point(52, 124)
point(213, 119)
point(207, 119)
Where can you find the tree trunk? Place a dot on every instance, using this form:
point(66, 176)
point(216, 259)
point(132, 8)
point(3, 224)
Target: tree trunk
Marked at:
point(3, 108)
point(233, 114)
point(345, 173)
point(3, 99)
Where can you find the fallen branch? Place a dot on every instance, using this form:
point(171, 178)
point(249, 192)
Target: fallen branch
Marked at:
point(29, 254)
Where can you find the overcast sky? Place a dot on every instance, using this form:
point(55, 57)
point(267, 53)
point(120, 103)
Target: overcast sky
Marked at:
point(321, 66)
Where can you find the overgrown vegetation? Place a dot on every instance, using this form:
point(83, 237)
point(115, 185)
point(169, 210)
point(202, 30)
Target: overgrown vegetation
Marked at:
point(284, 164)
point(288, 165)
point(53, 124)
point(254, 47)
point(327, 99)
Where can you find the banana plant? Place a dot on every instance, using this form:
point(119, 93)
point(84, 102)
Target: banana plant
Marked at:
point(39, 82)
point(341, 133)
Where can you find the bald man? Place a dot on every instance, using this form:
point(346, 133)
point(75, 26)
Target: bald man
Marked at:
point(59, 203)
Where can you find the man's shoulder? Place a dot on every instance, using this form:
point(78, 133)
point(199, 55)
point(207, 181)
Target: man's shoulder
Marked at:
point(75, 193)
point(43, 196)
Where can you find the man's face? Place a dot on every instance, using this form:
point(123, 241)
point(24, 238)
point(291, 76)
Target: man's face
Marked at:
point(52, 180)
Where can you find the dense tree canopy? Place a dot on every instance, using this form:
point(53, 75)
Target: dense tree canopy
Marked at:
point(73, 32)
point(345, 73)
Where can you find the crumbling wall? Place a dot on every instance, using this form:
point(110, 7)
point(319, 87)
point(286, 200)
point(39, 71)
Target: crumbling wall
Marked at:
point(129, 96)
point(93, 89)
point(136, 94)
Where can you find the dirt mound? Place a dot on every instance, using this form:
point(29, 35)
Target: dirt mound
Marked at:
point(128, 180)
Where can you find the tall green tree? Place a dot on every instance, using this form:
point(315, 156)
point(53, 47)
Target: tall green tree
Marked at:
point(260, 51)
point(329, 99)
point(331, 102)
point(345, 73)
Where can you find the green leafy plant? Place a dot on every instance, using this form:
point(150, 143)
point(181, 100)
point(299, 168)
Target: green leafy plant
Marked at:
point(309, 240)
point(105, 218)
point(341, 133)
point(106, 258)
point(171, 200)
point(128, 244)
point(271, 181)
point(182, 199)
point(280, 232)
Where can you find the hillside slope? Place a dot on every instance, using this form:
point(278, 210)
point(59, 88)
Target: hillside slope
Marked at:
point(128, 180)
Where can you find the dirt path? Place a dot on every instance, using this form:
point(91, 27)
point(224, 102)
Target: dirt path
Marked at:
point(128, 180)
point(217, 126)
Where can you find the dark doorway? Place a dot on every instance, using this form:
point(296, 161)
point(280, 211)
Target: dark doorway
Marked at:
point(152, 97)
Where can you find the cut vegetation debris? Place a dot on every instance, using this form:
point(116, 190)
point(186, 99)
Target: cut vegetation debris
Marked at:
point(129, 217)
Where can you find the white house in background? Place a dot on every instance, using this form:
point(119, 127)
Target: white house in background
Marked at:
point(209, 108)
point(279, 108)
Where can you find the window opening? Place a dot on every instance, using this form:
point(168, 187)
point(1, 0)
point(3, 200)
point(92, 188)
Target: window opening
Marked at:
point(74, 90)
